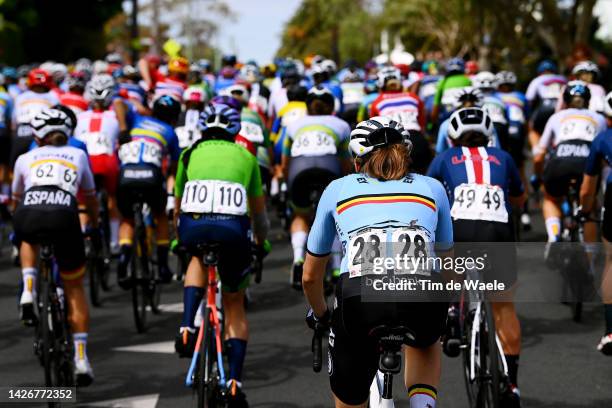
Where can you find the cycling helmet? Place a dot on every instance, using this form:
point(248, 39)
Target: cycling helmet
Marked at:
point(317, 59)
point(430, 67)
point(101, 89)
point(204, 64)
point(227, 100)
point(455, 65)
point(469, 120)
point(505, 78)
point(229, 60)
point(377, 132)
point(114, 58)
point(329, 66)
point(546, 65)
point(608, 105)
point(470, 95)
point(70, 113)
point(471, 67)
point(249, 72)
point(321, 93)
point(100, 67)
point(83, 65)
point(220, 116)
point(178, 65)
point(290, 74)
point(318, 69)
point(297, 93)
point(194, 94)
point(48, 121)
point(76, 80)
point(577, 89)
point(39, 77)
point(485, 80)
point(238, 91)
point(166, 108)
point(386, 74)
point(586, 66)
point(10, 72)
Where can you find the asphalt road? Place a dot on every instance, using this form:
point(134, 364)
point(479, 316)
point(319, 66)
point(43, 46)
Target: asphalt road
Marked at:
point(559, 366)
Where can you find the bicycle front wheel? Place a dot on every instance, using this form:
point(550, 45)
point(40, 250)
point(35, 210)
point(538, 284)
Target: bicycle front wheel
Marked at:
point(47, 338)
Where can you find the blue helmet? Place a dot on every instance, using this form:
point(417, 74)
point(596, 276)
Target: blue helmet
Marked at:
point(455, 65)
point(9, 72)
point(546, 65)
point(220, 116)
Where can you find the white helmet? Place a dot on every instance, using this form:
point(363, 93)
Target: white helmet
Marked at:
point(608, 105)
point(469, 120)
point(50, 120)
point(329, 66)
point(469, 94)
point(241, 90)
point(100, 67)
point(317, 69)
point(485, 80)
point(376, 132)
point(505, 77)
point(387, 73)
point(249, 72)
point(194, 94)
point(585, 66)
point(101, 88)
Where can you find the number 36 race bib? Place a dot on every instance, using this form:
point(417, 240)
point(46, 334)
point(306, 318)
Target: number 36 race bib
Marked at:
point(479, 202)
point(214, 196)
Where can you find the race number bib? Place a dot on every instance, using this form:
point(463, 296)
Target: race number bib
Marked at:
point(516, 114)
point(496, 112)
point(186, 136)
point(352, 93)
point(408, 247)
point(408, 118)
point(139, 151)
point(479, 202)
point(313, 143)
point(24, 130)
point(577, 129)
point(551, 91)
point(291, 116)
point(214, 196)
point(97, 143)
point(252, 132)
point(58, 173)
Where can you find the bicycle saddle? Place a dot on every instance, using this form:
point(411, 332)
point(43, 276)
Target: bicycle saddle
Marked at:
point(390, 341)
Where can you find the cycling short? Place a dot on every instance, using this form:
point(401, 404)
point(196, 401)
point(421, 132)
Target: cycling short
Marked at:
point(541, 115)
point(140, 183)
point(309, 175)
point(353, 355)
point(49, 215)
point(19, 146)
point(232, 234)
point(559, 173)
point(106, 169)
point(606, 224)
point(5, 146)
point(486, 237)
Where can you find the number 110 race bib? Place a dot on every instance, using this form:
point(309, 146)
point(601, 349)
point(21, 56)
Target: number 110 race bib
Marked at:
point(214, 196)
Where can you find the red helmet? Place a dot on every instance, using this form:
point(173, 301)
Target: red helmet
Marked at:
point(471, 67)
point(39, 77)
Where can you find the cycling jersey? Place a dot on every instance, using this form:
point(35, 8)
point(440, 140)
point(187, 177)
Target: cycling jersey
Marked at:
point(99, 131)
point(258, 100)
point(546, 88)
point(364, 108)
point(404, 107)
point(601, 151)
point(317, 136)
point(359, 208)
point(152, 139)
point(253, 130)
point(352, 92)
point(221, 83)
point(571, 124)
point(74, 101)
point(597, 101)
point(6, 110)
point(516, 107)
point(289, 113)
point(444, 142)
point(188, 131)
point(133, 92)
point(169, 86)
point(71, 142)
point(27, 105)
point(478, 181)
point(495, 108)
point(278, 99)
point(447, 90)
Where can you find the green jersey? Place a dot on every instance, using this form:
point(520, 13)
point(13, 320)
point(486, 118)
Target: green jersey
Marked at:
point(451, 82)
point(254, 130)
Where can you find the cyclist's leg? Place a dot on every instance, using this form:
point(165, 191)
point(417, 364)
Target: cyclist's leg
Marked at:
point(29, 274)
point(551, 210)
point(193, 293)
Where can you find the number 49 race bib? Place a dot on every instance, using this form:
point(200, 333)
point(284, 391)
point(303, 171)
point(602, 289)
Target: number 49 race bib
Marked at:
point(479, 202)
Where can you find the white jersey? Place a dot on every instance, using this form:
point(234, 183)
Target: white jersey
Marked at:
point(99, 131)
point(571, 124)
point(278, 99)
point(65, 167)
point(189, 132)
point(29, 104)
point(545, 87)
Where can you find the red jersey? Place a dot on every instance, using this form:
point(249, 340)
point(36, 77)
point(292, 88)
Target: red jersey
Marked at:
point(74, 101)
point(404, 107)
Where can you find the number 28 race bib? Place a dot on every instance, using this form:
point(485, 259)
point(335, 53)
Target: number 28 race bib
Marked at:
point(479, 202)
point(214, 196)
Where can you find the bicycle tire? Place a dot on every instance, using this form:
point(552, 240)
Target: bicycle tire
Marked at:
point(471, 387)
point(46, 332)
point(490, 359)
point(155, 290)
point(205, 384)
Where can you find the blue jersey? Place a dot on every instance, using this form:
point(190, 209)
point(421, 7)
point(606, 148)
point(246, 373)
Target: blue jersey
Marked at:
point(468, 166)
point(6, 110)
point(151, 140)
point(133, 91)
point(444, 142)
point(356, 204)
point(601, 149)
point(517, 108)
point(336, 90)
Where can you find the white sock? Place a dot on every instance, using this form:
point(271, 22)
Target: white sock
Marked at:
point(274, 187)
point(422, 396)
point(114, 231)
point(553, 228)
point(80, 346)
point(29, 279)
point(298, 242)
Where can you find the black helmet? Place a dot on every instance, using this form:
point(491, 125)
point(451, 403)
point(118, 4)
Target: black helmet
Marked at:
point(578, 89)
point(321, 93)
point(166, 108)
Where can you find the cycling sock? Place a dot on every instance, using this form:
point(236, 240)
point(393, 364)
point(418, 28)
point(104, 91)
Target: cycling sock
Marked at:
point(608, 314)
point(422, 396)
point(512, 362)
point(80, 346)
point(29, 279)
point(236, 351)
point(114, 231)
point(192, 295)
point(553, 228)
point(298, 242)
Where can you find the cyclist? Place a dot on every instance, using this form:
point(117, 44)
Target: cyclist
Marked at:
point(588, 71)
point(486, 83)
point(75, 82)
point(469, 168)
point(45, 184)
point(128, 87)
point(99, 129)
point(176, 82)
point(187, 130)
point(6, 115)
point(315, 152)
point(568, 134)
point(278, 98)
point(221, 166)
point(258, 101)
point(322, 76)
point(27, 104)
point(403, 107)
point(141, 155)
point(447, 90)
point(383, 197)
point(600, 155)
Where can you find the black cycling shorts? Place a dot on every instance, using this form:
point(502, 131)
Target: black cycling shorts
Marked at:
point(495, 239)
point(559, 173)
point(140, 183)
point(5, 146)
point(516, 143)
point(308, 177)
point(19, 146)
point(49, 215)
point(541, 115)
point(606, 224)
point(353, 354)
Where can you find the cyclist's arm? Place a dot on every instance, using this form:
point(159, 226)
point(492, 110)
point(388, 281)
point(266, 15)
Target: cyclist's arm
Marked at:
point(257, 205)
point(88, 189)
point(121, 110)
point(18, 184)
point(539, 150)
point(592, 169)
point(516, 190)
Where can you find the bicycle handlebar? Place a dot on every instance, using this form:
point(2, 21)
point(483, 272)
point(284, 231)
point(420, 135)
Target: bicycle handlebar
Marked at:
point(317, 351)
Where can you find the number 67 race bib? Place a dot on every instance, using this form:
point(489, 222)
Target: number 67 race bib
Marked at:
point(214, 196)
point(479, 202)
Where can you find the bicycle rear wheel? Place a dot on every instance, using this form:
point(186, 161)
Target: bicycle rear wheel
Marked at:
point(206, 383)
point(46, 333)
point(489, 360)
point(104, 260)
